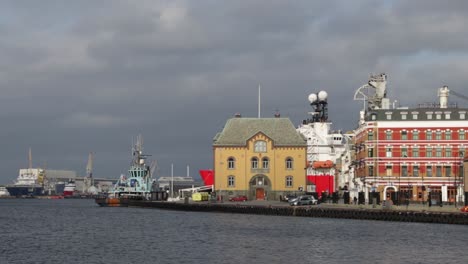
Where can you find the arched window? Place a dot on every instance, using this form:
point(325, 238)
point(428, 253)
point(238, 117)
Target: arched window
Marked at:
point(231, 163)
point(289, 181)
point(265, 162)
point(289, 163)
point(260, 146)
point(231, 181)
point(254, 163)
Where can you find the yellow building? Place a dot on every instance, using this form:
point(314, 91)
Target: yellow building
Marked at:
point(262, 158)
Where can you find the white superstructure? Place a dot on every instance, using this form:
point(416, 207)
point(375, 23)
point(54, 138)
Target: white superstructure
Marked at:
point(324, 146)
point(30, 177)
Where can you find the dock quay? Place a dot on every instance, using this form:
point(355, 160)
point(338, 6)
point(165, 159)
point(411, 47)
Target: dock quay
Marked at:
point(400, 214)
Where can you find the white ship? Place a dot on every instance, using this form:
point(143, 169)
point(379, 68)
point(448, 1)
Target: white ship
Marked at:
point(30, 181)
point(69, 189)
point(324, 147)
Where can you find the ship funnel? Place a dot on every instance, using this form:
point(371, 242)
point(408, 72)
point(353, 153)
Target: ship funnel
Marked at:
point(443, 96)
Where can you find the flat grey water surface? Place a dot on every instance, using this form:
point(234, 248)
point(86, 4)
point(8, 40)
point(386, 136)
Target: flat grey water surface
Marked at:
point(78, 231)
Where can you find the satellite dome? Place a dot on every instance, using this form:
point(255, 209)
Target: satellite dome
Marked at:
point(312, 98)
point(322, 96)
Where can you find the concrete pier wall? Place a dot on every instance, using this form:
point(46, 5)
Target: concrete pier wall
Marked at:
point(313, 211)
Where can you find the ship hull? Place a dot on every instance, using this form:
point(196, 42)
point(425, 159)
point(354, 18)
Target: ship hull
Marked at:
point(108, 202)
point(68, 193)
point(114, 202)
point(20, 191)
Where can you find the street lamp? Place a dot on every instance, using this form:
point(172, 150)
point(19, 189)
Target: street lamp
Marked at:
point(399, 178)
point(422, 187)
point(455, 189)
point(460, 175)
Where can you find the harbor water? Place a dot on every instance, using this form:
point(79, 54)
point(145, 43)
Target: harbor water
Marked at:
point(78, 231)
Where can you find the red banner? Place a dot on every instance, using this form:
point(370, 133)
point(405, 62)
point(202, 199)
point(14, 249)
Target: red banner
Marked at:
point(207, 176)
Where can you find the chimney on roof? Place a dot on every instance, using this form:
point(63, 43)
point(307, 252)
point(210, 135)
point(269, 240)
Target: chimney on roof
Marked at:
point(277, 114)
point(443, 96)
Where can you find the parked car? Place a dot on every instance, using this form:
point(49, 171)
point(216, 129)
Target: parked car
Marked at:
point(304, 200)
point(239, 198)
point(288, 197)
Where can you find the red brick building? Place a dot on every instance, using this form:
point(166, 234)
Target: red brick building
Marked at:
point(412, 153)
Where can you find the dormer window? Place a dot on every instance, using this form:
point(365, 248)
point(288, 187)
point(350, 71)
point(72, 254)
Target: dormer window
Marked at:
point(462, 115)
point(429, 115)
point(388, 115)
point(260, 146)
point(447, 115)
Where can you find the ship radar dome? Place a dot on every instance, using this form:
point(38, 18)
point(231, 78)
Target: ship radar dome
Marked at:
point(322, 96)
point(312, 98)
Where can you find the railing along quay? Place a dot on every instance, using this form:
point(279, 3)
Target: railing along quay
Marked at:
point(313, 211)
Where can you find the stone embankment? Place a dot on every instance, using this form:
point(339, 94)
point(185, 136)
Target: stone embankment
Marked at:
point(314, 211)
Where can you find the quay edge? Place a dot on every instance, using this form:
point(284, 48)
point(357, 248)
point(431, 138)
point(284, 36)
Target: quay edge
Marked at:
point(313, 211)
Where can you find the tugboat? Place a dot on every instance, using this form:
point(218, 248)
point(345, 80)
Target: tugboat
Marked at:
point(136, 185)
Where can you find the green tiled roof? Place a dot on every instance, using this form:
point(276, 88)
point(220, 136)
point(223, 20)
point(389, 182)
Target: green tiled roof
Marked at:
point(238, 130)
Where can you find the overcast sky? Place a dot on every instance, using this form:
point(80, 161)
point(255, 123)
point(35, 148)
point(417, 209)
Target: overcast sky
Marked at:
point(87, 76)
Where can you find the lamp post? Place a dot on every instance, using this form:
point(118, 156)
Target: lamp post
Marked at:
point(399, 177)
point(460, 175)
point(422, 187)
point(455, 190)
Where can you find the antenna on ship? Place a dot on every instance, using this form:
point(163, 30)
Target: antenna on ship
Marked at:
point(172, 180)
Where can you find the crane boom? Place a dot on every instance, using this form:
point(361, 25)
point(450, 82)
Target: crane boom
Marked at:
point(459, 95)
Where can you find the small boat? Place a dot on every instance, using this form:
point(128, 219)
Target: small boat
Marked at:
point(56, 197)
point(4, 191)
point(136, 185)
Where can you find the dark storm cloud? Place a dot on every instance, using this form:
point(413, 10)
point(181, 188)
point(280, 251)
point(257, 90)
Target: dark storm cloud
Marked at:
point(88, 76)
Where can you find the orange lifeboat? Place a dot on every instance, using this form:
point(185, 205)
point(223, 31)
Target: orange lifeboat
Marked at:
point(322, 164)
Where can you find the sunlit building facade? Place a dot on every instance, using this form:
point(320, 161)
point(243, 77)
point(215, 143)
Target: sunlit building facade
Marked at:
point(262, 158)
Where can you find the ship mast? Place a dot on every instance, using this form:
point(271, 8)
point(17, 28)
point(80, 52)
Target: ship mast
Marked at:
point(30, 159)
point(89, 168)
